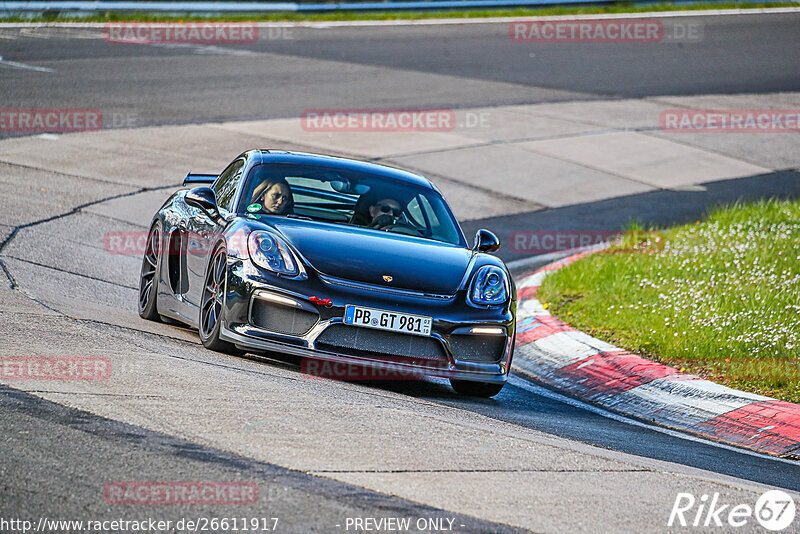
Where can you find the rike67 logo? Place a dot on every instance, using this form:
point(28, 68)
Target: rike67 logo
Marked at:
point(774, 511)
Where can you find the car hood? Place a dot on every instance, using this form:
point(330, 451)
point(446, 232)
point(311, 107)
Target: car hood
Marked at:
point(366, 255)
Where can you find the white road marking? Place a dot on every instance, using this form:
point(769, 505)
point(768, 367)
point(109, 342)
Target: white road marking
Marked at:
point(544, 392)
point(208, 49)
point(444, 22)
point(24, 66)
point(496, 20)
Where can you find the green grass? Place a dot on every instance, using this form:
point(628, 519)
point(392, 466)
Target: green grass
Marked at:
point(621, 7)
point(719, 298)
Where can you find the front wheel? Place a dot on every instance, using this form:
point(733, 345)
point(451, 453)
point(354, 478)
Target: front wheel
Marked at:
point(476, 389)
point(211, 303)
point(148, 278)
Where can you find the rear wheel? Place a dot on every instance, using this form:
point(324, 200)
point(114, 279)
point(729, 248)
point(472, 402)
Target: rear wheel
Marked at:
point(211, 303)
point(476, 389)
point(148, 279)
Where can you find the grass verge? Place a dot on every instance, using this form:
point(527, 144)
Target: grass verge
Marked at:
point(719, 298)
point(621, 7)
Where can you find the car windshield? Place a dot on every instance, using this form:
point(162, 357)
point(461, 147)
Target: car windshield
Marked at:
point(347, 197)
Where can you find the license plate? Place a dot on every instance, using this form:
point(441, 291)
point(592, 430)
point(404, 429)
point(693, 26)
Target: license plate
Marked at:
point(405, 323)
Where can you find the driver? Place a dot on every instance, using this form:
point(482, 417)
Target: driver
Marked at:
point(384, 213)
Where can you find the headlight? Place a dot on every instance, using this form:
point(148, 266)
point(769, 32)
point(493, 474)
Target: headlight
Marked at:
point(489, 286)
point(271, 252)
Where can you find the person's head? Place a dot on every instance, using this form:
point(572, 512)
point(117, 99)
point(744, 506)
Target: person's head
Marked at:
point(385, 206)
point(275, 196)
point(371, 205)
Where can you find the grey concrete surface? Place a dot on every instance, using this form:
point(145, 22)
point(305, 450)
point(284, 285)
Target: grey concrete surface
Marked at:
point(34, 194)
point(521, 173)
point(643, 159)
point(775, 150)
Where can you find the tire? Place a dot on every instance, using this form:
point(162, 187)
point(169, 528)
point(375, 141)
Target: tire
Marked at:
point(476, 389)
point(211, 303)
point(148, 278)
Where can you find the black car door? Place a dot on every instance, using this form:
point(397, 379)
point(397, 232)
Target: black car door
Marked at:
point(203, 231)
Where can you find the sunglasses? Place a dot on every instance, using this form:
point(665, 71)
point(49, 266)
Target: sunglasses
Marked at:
point(386, 208)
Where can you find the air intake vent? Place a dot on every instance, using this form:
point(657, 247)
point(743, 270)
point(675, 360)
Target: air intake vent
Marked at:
point(354, 341)
point(477, 348)
point(281, 319)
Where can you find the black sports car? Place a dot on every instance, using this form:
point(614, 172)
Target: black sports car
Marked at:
point(334, 260)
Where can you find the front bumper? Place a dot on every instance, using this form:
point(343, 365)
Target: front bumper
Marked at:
point(441, 355)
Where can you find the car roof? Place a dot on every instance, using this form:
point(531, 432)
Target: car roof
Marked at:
point(304, 158)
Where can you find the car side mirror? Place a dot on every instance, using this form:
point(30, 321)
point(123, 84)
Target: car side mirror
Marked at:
point(486, 241)
point(205, 199)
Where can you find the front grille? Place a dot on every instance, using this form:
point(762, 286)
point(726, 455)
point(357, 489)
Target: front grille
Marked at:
point(355, 341)
point(350, 284)
point(281, 319)
point(478, 349)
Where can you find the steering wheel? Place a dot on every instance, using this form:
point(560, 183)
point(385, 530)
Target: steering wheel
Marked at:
point(402, 228)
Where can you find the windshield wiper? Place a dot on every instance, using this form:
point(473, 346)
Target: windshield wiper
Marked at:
point(296, 216)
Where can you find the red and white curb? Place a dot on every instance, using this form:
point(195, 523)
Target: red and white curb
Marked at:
point(598, 372)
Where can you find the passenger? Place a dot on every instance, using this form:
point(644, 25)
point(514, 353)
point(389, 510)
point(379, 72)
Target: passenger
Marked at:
point(275, 196)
